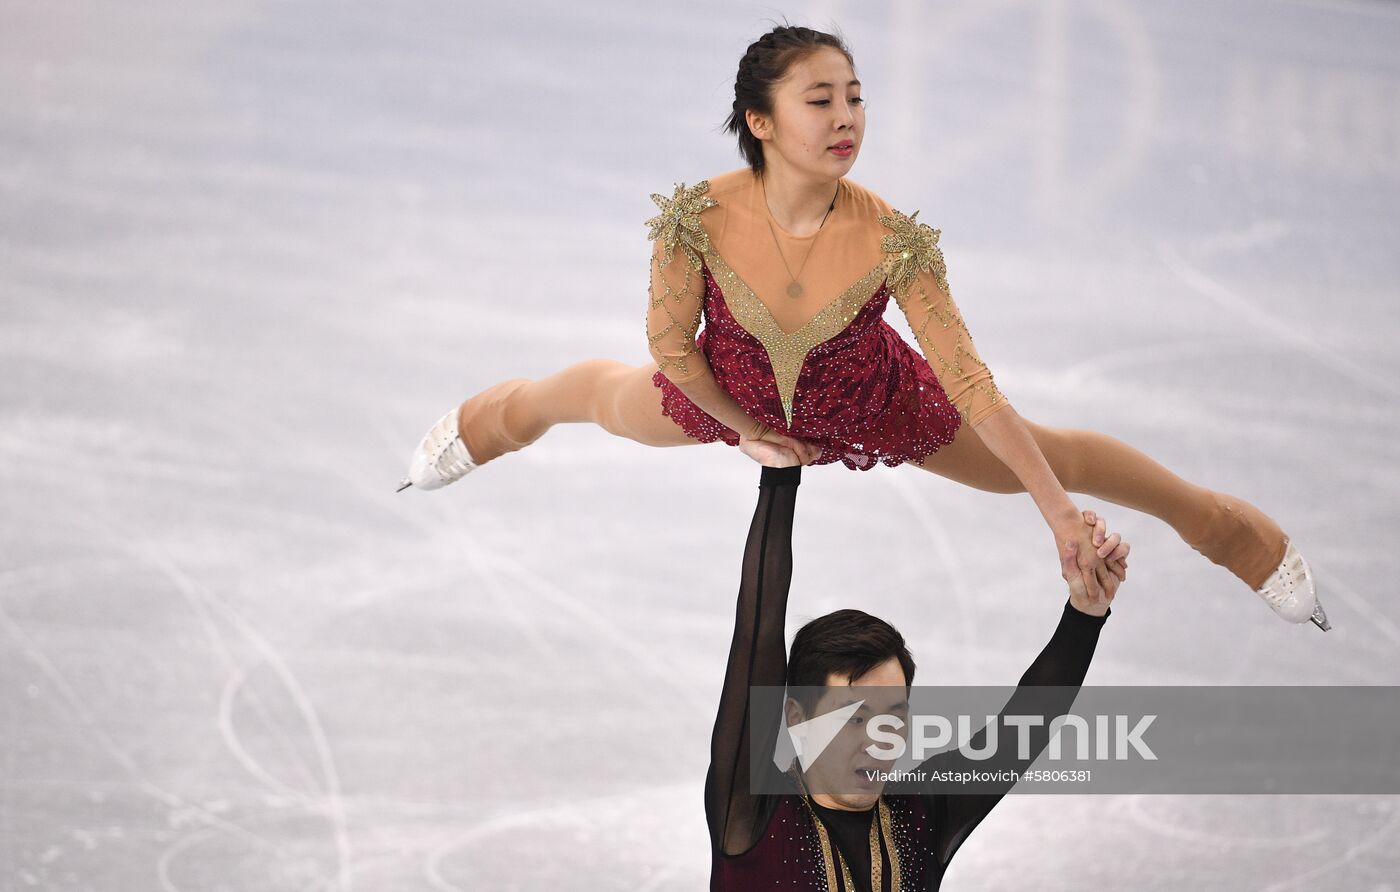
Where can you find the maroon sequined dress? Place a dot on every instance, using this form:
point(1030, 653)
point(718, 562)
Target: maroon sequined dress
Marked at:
point(865, 396)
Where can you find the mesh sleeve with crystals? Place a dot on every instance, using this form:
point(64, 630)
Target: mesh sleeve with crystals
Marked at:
point(675, 296)
point(757, 656)
point(919, 277)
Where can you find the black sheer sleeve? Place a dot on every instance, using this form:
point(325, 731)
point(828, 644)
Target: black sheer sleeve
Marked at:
point(1062, 664)
point(757, 656)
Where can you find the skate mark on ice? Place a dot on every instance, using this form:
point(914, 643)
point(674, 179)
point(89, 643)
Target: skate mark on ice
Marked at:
point(1135, 805)
point(1305, 880)
point(94, 731)
point(1090, 372)
point(173, 852)
point(1290, 331)
point(582, 815)
point(950, 562)
point(624, 643)
point(333, 806)
point(199, 605)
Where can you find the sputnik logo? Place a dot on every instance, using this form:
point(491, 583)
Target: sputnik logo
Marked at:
point(809, 738)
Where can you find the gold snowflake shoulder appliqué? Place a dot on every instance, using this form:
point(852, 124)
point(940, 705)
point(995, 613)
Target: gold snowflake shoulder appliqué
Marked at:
point(678, 224)
point(912, 248)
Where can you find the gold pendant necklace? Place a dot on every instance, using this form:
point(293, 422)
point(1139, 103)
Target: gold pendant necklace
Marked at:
point(794, 288)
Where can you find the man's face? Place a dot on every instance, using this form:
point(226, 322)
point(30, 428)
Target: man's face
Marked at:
point(840, 775)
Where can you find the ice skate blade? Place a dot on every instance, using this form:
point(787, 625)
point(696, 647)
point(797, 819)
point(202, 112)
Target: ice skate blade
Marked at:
point(404, 485)
point(1319, 618)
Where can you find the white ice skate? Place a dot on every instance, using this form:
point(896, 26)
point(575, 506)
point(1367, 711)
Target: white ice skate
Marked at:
point(441, 458)
point(1290, 593)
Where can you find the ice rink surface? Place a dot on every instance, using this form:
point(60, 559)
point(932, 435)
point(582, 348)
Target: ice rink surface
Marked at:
point(250, 251)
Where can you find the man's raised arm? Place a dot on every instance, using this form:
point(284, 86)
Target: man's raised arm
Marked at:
point(1061, 667)
point(757, 656)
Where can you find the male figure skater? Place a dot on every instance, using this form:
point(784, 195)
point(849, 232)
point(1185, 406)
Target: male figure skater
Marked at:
point(863, 834)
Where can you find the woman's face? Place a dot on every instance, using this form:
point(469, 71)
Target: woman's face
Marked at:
point(818, 117)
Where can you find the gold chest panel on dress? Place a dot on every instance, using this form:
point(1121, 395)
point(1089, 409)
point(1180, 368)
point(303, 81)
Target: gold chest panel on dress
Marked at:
point(788, 350)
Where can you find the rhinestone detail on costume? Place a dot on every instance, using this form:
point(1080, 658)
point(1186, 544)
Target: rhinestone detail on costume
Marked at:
point(678, 226)
point(912, 248)
point(864, 395)
point(844, 379)
point(788, 350)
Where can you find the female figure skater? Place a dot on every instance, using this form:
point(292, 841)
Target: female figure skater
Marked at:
point(791, 265)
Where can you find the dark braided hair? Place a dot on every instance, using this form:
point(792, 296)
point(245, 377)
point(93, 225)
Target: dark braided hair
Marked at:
point(766, 62)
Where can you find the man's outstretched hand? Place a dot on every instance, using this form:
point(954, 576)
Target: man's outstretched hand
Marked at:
point(774, 450)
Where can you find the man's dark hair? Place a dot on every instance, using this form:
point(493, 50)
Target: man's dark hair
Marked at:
point(766, 62)
point(848, 643)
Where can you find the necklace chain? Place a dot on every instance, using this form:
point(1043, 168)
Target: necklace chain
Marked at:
point(794, 288)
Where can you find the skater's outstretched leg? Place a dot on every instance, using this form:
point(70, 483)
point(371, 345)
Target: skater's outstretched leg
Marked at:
point(1229, 531)
point(617, 397)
